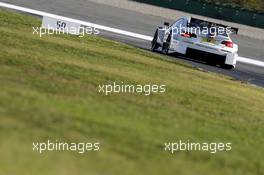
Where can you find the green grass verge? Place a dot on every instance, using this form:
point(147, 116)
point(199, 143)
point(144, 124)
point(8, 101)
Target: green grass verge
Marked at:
point(48, 90)
point(253, 5)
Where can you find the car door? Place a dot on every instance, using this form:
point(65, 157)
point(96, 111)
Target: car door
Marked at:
point(175, 29)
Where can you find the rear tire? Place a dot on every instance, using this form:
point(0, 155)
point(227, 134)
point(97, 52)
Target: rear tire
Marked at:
point(228, 67)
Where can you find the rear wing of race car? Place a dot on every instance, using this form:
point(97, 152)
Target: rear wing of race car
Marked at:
point(199, 22)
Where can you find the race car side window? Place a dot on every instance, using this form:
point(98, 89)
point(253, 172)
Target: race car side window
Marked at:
point(176, 26)
point(177, 23)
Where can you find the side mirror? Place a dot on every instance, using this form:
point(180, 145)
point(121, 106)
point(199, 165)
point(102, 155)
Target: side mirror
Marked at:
point(167, 24)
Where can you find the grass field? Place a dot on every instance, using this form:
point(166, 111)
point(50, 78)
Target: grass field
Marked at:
point(255, 5)
point(49, 90)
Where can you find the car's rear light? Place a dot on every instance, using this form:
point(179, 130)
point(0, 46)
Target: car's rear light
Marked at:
point(228, 43)
point(188, 35)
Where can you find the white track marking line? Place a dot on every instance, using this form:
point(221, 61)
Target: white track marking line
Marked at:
point(105, 28)
point(250, 61)
point(109, 29)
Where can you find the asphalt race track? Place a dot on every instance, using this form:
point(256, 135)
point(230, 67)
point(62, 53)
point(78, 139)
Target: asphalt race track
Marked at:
point(146, 24)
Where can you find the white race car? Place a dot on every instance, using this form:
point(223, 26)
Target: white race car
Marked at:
point(191, 36)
